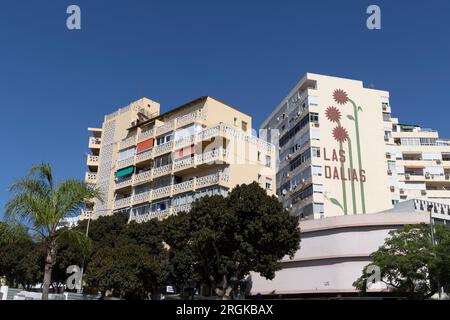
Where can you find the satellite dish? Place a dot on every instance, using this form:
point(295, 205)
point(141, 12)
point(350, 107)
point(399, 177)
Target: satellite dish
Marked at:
point(284, 192)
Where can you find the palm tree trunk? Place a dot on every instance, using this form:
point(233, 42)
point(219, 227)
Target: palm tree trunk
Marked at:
point(49, 262)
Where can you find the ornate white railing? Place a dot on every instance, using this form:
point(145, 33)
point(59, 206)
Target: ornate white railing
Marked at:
point(124, 183)
point(93, 159)
point(183, 186)
point(184, 142)
point(165, 127)
point(160, 171)
point(125, 163)
point(144, 155)
point(161, 192)
point(183, 163)
point(142, 197)
point(128, 142)
point(124, 202)
point(145, 134)
point(163, 148)
point(143, 176)
point(184, 207)
point(95, 141)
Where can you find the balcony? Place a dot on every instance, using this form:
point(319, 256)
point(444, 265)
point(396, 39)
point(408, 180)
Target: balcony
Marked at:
point(128, 142)
point(90, 178)
point(143, 177)
point(142, 197)
point(94, 143)
point(124, 184)
point(122, 203)
point(161, 171)
point(92, 160)
point(150, 215)
point(161, 192)
point(168, 126)
point(218, 156)
point(145, 135)
point(183, 186)
point(144, 156)
point(125, 163)
point(184, 207)
point(163, 148)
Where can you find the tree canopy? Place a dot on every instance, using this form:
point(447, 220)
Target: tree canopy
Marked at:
point(222, 239)
point(410, 265)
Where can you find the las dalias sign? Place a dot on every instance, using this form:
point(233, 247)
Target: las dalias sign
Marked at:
point(341, 162)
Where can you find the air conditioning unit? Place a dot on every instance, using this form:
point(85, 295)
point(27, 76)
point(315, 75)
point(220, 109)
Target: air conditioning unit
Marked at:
point(424, 192)
point(447, 176)
point(389, 171)
point(133, 123)
point(386, 137)
point(388, 154)
point(427, 175)
point(289, 155)
point(407, 176)
point(438, 161)
point(288, 174)
point(402, 191)
point(316, 124)
point(392, 188)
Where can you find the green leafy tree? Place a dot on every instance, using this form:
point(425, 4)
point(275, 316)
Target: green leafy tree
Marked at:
point(230, 236)
point(128, 260)
point(410, 265)
point(40, 204)
point(20, 257)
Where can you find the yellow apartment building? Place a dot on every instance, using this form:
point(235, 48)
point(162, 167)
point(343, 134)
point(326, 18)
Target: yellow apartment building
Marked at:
point(151, 164)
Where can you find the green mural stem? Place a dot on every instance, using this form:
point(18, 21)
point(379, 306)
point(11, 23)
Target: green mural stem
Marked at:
point(351, 175)
point(344, 188)
point(358, 149)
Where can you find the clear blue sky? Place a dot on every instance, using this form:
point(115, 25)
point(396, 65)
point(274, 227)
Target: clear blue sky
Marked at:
point(54, 83)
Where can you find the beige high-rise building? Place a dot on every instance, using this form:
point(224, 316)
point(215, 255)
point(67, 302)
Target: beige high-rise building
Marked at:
point(152, 165)
point(341, 153)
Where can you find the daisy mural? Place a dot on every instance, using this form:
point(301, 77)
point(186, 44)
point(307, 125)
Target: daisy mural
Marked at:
point(341, 135)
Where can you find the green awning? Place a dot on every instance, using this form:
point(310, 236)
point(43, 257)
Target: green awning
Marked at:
point(125, 171)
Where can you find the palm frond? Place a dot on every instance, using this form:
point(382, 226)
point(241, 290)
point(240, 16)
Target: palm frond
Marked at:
point(83, 242)
point(72, 195)
point(44, 172)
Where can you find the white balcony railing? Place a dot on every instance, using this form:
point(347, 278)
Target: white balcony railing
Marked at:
point(144, 155)
point(183, 186)
point(143, 176)
point(145, 134)
point(164, 148)
point(125, 162)
point(142, 197)
point(128, 142)
point(93, 159)
point(161, 192)
point(160, 171)
point(123, 184)
point(124, 202)
point(93, 141)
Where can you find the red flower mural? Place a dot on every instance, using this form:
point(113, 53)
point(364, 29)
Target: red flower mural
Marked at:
point(340, 96)
point(340, 134)
point(333, 114)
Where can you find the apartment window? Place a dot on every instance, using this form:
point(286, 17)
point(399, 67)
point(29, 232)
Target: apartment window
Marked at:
point(318, 208)
point(259, 156)
point(300, 125)
point(163, 160)
point(163, 139)
point(259, 178)
point(235, 121)
point(297, 161)
point(315, 152)
point(244, 126)
point(316, 170)
point(386, 116)
point(268, 161)
point(314, 117)
point(268, 184)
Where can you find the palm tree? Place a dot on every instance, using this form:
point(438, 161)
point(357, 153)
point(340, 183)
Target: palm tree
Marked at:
point(40, 205)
